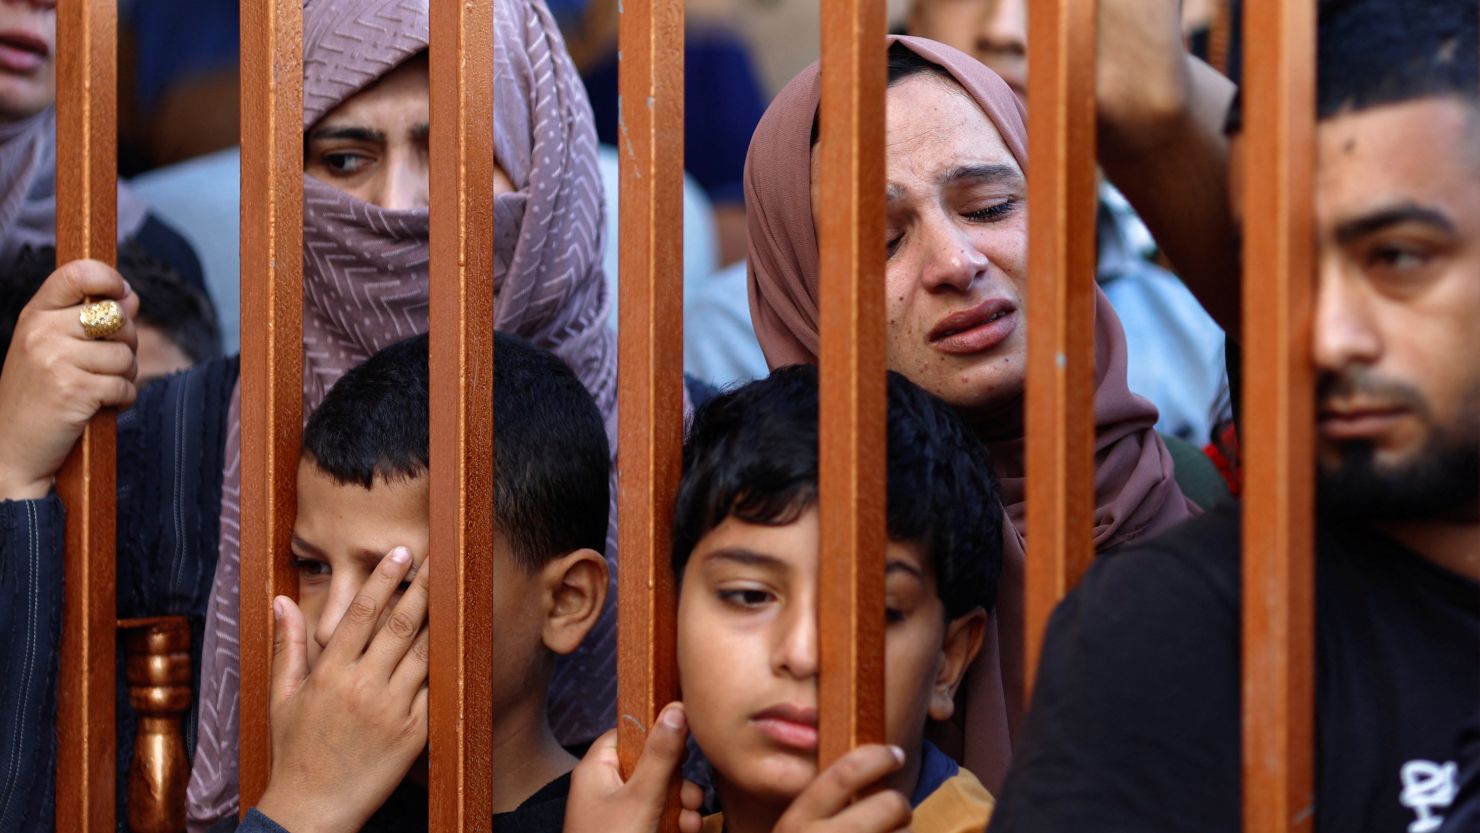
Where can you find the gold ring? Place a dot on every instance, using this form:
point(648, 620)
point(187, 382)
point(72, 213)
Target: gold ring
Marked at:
point(101, 319)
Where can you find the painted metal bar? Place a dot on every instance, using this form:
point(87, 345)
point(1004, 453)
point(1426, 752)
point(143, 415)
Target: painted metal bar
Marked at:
point(852, 387)
point(1220, 35)
point(1278, 417)
point(1061, 308)
point(462, 164)
point(271, 350)
point(87, 208)
point(650, 355)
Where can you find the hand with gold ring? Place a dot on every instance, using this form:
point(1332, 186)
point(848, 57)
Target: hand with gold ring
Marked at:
point(72, 354)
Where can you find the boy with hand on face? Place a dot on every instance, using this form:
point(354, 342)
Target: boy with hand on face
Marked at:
point(349, 691)
point(745, 549)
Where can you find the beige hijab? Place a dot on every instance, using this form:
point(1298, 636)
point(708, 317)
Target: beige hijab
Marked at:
point(1135, 493)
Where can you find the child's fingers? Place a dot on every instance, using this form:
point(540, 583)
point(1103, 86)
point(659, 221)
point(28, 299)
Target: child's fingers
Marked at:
point(358, 623)
point(289, 649)
point(885, 811)
point(837, 786)
point(411, 672)
point(691, 796)
point(600, 772)
point(662, 753)
point(690, 821)
point(388, 651)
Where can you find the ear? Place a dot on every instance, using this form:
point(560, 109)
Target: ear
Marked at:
point(574, 590)
point(963, 641)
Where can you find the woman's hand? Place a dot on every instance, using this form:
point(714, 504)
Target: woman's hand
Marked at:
point(55, 378)
point(347, 732)
point(601, 802)
point(838, 799)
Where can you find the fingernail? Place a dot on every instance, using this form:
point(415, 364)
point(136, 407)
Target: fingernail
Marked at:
point(277, 608)
point(127, 288)
point(400, 555)
point(897, 753)
point(672, 717)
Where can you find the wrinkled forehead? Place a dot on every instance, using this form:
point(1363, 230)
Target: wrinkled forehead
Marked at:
point(1424, 153)
point(933, 126)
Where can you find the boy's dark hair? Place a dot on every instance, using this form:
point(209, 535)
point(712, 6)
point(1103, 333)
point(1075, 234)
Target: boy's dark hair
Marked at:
point(1373, 53)
point(166, 300)
point(752, 454)
point(551, 458)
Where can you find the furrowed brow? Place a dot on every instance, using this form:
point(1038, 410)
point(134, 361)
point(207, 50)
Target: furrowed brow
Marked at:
point(351, 134)
point(421, 132)
point(984, 174)
point(1385, 218)
point(310, 549)
point(745, 557)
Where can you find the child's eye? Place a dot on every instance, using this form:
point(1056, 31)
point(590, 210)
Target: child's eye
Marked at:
point(311, 567)
point(893, 615)
point(745, 597)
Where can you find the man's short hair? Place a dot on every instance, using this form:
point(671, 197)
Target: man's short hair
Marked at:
point(551, 458)
point(1373, 53)
point(752, 454)
point(166, 301)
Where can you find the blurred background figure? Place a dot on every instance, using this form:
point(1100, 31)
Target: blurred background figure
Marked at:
point(176, 325)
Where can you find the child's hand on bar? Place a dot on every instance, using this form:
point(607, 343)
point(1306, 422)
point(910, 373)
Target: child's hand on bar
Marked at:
point(56, 378)
point(838, 799)
point(600, 802)
point(345, 733)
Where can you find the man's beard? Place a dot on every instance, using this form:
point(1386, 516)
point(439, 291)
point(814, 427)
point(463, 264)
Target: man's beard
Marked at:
point(1439, 482)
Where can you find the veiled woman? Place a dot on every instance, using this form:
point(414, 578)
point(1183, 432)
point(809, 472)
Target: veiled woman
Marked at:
point(956, 287)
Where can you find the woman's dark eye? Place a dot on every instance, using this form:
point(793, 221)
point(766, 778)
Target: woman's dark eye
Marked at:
point(993, 213)
point(893, 616)
point(892, 244)
point(345, 164)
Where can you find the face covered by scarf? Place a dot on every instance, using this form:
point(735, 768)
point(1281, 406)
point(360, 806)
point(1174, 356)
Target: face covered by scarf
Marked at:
point(28, 187)
point(366, 286)
point(1135, 491)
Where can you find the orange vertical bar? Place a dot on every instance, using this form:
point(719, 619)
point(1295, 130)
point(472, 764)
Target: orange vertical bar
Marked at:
point(650, 348)
point(272, 349)
point(461, 703)
point(852, 387)
point(87, 227)
point(1220, 35)
point(1061, 308)
point(1279, 417)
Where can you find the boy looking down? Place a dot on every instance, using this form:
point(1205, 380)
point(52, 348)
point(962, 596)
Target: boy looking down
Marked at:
point(349, 697)
point(745, 550)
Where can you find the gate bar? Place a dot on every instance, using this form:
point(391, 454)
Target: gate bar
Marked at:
point(461, 413)
point(1061, 309)
point(272, 351)
point(650, 355)
point(87, 227)
point(852, 392)
point(1279, 417)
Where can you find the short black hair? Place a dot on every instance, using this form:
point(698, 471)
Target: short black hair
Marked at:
point(167, 301)
point(551, 457)
point(752, 454)
point(1374, 53)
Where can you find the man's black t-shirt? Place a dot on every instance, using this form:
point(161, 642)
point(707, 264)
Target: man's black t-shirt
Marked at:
point(1135, 725)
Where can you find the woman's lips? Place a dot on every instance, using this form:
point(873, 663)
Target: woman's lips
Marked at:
point(975, 330)
point(790, 726)
point(22, 53)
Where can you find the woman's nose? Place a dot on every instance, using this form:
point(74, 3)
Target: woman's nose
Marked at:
point(952, 261)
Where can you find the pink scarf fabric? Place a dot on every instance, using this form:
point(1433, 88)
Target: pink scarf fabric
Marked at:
point(28, 187)
point(366, 286)
point(1134, 487)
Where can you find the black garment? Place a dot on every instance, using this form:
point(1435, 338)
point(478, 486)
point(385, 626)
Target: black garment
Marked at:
point(543, 812)
point(169, 247)
point(170, 457)
point(1135, 726)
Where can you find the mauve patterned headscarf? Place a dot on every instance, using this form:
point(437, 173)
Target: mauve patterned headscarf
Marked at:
point(28, 187)
point(1135, 492)
point(366, 286)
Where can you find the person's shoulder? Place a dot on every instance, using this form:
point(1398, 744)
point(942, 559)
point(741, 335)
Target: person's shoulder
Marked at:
point(959, 805)
point(1199, 559)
